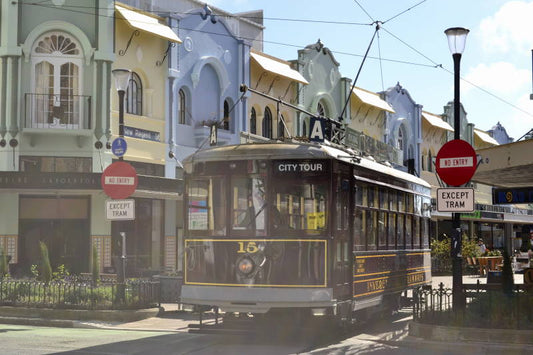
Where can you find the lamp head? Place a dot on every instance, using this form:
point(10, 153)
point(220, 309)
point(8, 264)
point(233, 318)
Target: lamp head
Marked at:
point(456, 39)
point(122, 78)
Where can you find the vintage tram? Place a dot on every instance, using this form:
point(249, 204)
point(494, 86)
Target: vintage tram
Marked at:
point(302, 227)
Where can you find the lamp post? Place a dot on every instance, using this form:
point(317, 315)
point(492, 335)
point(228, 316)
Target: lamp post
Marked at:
point(456, 42)
point(122, 79)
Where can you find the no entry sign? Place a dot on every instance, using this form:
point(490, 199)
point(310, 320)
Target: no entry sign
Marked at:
point(119, 180)
point(456, 162)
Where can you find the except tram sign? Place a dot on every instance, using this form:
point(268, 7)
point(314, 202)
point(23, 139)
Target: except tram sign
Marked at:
point(119, 180)
point(456, 162)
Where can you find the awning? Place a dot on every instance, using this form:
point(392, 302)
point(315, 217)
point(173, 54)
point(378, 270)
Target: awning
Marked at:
point(372, 99)
point(147, 24)
point(278, 67)
point(485, 137)
point(436, 121)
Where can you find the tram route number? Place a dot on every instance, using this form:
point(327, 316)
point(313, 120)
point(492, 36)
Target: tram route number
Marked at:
point(247, 247)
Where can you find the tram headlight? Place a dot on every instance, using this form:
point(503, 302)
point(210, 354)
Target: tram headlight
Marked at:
point(245, 266)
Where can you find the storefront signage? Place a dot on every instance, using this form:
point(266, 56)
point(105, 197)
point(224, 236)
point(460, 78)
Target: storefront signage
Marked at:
point(37, 180)
point(142, 134)
point(455, 200)
point(512, 196)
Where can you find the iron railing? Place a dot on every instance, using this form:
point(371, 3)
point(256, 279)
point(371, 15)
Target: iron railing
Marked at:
point(77, 294)
point(57, 111)
point(487, 306)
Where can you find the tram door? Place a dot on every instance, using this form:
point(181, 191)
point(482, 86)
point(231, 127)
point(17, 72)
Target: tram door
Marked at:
point(342, 250)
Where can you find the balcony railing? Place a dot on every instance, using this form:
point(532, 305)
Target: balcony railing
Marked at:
point(58, 111)
point(370, 146)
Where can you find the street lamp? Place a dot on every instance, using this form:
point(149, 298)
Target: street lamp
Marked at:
point(122, 79)
point(456, 42)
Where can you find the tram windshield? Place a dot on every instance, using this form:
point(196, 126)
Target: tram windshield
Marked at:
point(288, 207)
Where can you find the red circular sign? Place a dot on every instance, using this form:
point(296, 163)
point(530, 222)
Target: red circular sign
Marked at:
point(456, 162)
point(119, 180)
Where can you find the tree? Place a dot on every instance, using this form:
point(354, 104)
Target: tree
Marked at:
point(46, 269)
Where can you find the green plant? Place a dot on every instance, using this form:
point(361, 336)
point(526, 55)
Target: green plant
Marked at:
point(469, 247)
point(4, 265)
point(61, 273)
point(494, 252)
point(46, 268)
point(35, 271)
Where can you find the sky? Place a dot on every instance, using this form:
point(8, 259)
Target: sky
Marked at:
point(411, 48)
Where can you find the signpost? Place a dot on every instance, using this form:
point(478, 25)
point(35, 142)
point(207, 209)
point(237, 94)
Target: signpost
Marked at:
point(456, 162)
point(119, 180)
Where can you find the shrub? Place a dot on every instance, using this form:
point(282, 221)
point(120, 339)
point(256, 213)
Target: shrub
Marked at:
point(95, 266)
point(4, 265)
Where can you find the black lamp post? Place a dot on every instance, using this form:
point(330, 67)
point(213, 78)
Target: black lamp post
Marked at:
point(122, 79)
point(456, 42)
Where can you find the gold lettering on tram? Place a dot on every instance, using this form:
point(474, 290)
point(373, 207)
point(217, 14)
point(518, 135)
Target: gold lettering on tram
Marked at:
point(360, 266)
point(249, 247)
point(415, 278)
point(377, 285)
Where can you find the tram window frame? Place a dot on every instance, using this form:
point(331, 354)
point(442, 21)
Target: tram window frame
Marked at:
point(372, 195)
point(401, 201)
point(383, 198)
point(255, 200)
point(393, 201)
point(417, 233)
point(400, 231)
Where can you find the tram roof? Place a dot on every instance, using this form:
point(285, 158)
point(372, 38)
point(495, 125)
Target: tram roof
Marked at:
point(289, 150)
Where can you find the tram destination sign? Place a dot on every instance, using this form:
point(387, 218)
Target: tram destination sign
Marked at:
point(298, 167)
point(455, 200)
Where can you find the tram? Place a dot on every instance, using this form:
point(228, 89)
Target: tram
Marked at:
point(303, 227)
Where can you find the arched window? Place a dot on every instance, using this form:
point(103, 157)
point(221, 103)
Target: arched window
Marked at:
point(320, 110)
point(267, 124)
point(281, 127)
point(400, 142)
point(430, 161)
point(226, 118)
point(57, 73)
point(182, 110)
point(253, 122)
point(134, 95)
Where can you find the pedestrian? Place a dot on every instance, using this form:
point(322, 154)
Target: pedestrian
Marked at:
point(482, 249)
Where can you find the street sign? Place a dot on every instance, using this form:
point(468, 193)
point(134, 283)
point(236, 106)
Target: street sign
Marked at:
point(120, 210)
point(119, 146)
point(455, 200)
point(119, 180)
point(318, 129)
point(456, 162)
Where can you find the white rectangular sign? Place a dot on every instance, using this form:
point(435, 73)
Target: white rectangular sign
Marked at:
point(459, 199)
point(120, 210)
point(460, 162)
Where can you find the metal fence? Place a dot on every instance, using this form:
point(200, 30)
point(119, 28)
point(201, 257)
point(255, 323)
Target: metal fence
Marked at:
point(486, 306)
point(75, 294)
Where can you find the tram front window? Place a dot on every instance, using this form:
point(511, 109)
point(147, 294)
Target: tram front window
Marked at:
point(207, 201)
point(300, 205)
point(249, 204)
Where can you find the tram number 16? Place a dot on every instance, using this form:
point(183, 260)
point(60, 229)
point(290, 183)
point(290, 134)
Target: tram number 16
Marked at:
point(247, 247)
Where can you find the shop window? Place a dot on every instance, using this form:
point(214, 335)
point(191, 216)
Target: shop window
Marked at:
point(134, 95)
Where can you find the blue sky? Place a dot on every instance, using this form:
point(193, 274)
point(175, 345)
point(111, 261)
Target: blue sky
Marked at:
point(411, 45)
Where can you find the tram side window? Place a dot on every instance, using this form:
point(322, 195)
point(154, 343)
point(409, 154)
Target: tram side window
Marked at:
point(206, 209)
point(416, 233)
point(371, 230)
point(359, 229)
point(382, 230)
point(425, 232)
point(392, 231)
point(400, 241)
point(408, 231)
point(248, 204)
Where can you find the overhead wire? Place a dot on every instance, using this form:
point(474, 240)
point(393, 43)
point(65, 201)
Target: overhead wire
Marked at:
point(434, 64)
